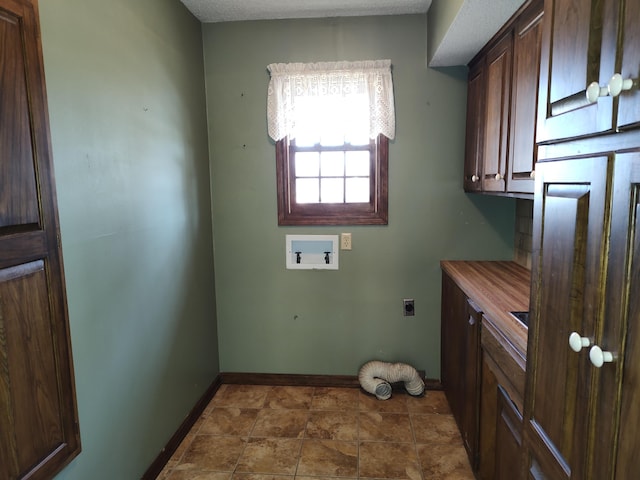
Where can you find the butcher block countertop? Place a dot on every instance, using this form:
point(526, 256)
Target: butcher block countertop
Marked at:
point(497, 287)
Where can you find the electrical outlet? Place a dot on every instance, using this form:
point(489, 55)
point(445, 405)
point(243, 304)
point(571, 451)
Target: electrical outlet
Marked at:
point(345, 241)
point(409, 309)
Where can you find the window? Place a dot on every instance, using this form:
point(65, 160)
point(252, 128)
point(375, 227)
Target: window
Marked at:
point(331, 123)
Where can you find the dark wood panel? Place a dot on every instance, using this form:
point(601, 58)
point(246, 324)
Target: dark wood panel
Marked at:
point(474, 142)
point(498, 98)
point(629, 106)
point(579, 44)
point(524, 103)
point(569, 245)
point(509, 454)
point(18, 198)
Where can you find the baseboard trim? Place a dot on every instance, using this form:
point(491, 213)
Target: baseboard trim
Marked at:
point(239, 378)
point(174, 442)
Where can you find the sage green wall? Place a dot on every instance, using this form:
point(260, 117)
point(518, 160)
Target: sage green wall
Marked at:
point(274, 320)
point(128, 126)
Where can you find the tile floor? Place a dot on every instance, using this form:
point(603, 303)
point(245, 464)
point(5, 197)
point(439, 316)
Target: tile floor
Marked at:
point(278, 433)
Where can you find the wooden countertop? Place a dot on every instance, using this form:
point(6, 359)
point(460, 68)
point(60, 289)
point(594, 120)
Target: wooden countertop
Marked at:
point(497, 287)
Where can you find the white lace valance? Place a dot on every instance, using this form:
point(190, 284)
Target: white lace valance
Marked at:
point(367, 83)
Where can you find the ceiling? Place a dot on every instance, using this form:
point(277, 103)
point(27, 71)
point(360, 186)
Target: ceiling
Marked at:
point(467, 29)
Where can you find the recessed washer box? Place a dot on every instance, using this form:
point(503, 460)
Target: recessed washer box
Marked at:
point(312, 252)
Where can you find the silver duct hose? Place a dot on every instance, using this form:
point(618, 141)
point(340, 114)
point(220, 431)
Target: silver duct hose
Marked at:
point(376, 377)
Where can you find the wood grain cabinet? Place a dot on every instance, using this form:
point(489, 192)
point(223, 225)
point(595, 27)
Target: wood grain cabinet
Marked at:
point(501, 107)
point(584, 44)
point(39, 431)
point(460, 350)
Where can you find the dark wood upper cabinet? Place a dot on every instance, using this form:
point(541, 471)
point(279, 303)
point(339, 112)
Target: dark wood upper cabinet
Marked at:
point(496, 122)
point(39, 431)
point(501, 108)
point(524, 100)
point(585, 43)
point(473, 168)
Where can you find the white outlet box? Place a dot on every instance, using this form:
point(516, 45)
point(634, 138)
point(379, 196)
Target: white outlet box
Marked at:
point(345, 241)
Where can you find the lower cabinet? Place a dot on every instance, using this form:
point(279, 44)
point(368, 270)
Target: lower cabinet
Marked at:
point(461, 361)
point(501, 399)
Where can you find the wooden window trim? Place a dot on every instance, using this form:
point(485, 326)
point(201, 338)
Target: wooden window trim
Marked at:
point(373, 213)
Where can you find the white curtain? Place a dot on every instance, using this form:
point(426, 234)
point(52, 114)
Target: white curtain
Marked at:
point(365, 87)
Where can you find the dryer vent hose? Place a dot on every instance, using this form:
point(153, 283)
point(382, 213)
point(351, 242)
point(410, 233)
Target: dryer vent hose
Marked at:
point(376, 377)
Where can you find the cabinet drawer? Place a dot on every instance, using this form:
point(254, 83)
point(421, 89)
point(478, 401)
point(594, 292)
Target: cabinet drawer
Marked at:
point(510, 371)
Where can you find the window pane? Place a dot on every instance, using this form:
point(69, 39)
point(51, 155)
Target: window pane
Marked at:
point(307, 190)
point(357, 164)
point(357, 190)
point(307, 138)
point(307, 164)
point(332, 137)
point(332, 190)
point(332, 164)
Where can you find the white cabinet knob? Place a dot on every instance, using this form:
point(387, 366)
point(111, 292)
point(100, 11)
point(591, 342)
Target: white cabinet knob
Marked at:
point(595, 91)
point(532, 174)
point(577, 343)
point(598, 357)
point(498, 176)
point(474, 178)
point(618, 84)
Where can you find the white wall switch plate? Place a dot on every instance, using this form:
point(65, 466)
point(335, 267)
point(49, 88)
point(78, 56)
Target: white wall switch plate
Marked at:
point(345, 241)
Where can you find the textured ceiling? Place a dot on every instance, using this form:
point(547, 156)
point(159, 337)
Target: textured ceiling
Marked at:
point(472, 25)
point(233, 10)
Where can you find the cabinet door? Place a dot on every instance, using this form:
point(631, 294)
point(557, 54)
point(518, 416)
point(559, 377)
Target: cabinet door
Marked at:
point(460, 361)
point(579, 45)
point(570, 218)
point(621, 333)
point(475, 129)
point(38, 417)
point(524, 100)
point(472, 383)
point(496, 124)
point(509, 458)
point(629, 106)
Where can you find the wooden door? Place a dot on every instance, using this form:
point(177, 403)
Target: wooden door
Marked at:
point(629, 106)
point(475, 129)
point(38, 417)
point(579, 44)
point(453, 345)
point(498, 93)
point(621, 333)
point(509, 458)
point(471, 373)
point(570, 220)
point(524, 100)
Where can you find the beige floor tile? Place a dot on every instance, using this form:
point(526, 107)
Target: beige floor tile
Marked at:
point(396, 404)
point(212, 453)
point(434, 428)
point(433, 401)
point(241, 396)
point(270, 456)
point(389, 460)
point(198, 475)
point(385, 427)
point(444, 462)
point(335, 399)
point(290, 397)
point(229, 421)
point(333, 425)
point(280, 423)
point(260, 476)
point(328, 458)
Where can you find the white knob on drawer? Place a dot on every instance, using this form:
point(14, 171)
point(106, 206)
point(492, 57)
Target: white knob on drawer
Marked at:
point(532, 174)
point(618, 84)
point(595, 91)
point(577, 343)
point(475, 178)
point(598, 357)
point(498, 176)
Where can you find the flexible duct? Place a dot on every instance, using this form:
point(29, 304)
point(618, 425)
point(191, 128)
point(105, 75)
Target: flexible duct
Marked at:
point(376, 377)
